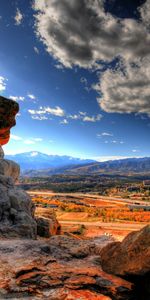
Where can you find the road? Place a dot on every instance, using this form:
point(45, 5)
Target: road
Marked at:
point(113, 226)
point(96, 197)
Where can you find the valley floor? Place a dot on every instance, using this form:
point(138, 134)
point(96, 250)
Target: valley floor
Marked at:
point(88, 215)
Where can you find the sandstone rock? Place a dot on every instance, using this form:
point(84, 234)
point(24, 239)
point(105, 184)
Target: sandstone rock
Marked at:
point(16, 211)
point(1, 153)
point(131, 257)
point(8, 111)
point(9, 168)
point(47, 224)
point(28, 272)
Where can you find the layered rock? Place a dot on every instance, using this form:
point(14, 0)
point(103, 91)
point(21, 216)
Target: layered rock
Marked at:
point(56, 270)
point(131, 256)
point(131, 260)
point(47, 224)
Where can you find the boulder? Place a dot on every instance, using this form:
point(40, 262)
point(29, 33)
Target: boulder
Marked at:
point(16, 211)
point(47, 224)
point(129, 257)
point(10, 169)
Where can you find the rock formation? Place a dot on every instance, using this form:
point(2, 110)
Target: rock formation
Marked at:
point(8, 111)
point(131, 260)
point(16, 207)
point(131, 256)
point(47, 224)
point(60, 268)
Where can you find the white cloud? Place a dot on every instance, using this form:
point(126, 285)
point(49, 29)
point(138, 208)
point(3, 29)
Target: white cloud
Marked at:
point(135, 150)
point(57, 111)
point(126, 90)
point(36, 50)
point(18, 17)
point(17, 98)
point(31, 96)
point(104, 134)
point(65, 121)
point(39, 118)
point(36, 112)
point(15, 137)
point(82, 113)
point(2, 83)
point(29, 142)
point(81, 33)
point(74, 117)
point(92, 118)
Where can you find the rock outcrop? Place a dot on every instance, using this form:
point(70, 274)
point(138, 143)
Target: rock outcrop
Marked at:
point(47, 224)
point(56, 270)
point(129, 257)
point(16, 207)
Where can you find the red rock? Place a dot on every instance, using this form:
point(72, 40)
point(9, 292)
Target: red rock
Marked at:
point(131, 256)
point(47, 224)
point(8, 111)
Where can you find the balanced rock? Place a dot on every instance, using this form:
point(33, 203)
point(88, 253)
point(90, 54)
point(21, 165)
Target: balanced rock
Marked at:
point(16, 207)
point(8, 111)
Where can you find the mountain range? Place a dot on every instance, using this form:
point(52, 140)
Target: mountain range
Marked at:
point(39, 164)
point(35, 160)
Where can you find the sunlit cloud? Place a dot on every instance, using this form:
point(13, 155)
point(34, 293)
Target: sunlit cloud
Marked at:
point(17, 98)
point(15, 137)
point(18, 17)
point(31, 96)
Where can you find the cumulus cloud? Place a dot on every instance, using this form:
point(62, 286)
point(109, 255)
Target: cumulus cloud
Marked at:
point(39, 118)
point(15, 137)
point(2, 83)
point(57, 111)
point(126, 90)
point(18, 17)
point(32, 141)
point(65, 121)
point(92, 118)
point(31, 96)
point(80, 33)
point(17, 98)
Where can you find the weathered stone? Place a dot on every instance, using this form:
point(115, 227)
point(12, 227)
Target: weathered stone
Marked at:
point(47, 224)
point(26, 271)
point(16, 211)
point(1, 153)
point(8, 111)
point(9, 168)
point(131, 257)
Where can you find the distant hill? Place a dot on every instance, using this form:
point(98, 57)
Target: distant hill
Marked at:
point(36, 160)
point(39, 164)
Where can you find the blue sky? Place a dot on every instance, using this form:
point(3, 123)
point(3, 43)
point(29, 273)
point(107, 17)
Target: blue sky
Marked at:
point(80, 73)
